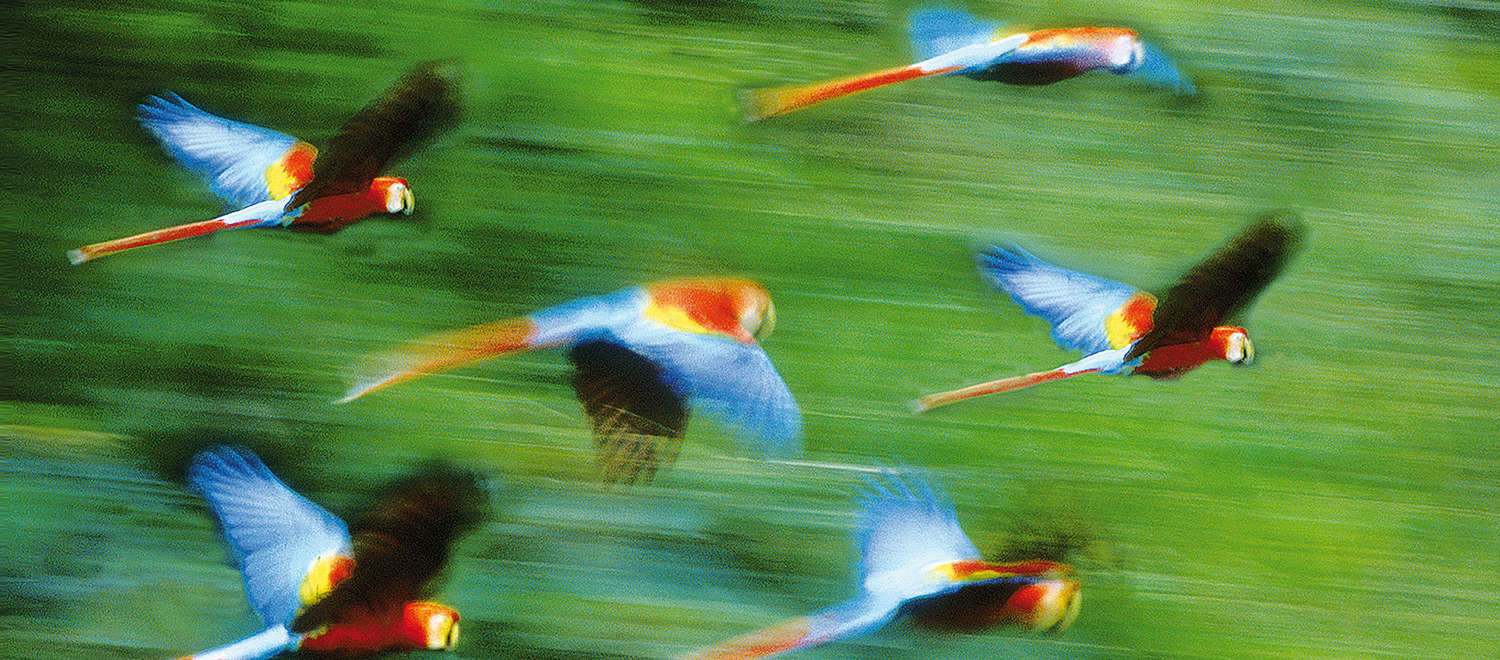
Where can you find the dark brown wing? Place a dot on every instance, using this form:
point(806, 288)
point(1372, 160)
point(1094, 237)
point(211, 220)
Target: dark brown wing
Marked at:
point(401, 544)
point(638, 420)
point(1223, 284)
point(412, 110)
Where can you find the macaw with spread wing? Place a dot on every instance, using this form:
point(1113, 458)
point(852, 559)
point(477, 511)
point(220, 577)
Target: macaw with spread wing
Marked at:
point(314, 587)
point(955, 43)
point(916, 561)
point(1123, 330)
point(641, 356)
point(280, 181)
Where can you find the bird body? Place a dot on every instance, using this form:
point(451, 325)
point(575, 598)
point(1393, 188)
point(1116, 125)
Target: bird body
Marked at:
point(305, 576)
point(1055, 54)
point(1122, 330)
point(641, 354)
point(955, 43)
point(277, 180)
point(915, 560)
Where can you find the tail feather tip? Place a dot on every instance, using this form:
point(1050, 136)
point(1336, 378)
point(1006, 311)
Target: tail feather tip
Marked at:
point(76, 257)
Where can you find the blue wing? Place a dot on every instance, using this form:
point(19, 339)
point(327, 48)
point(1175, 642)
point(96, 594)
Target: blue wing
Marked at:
point(902, 532)
point(234, 156)
point(734, 383)
point(275, 534)
point(1076, 304)
point(938, 31)
point(1157, 68)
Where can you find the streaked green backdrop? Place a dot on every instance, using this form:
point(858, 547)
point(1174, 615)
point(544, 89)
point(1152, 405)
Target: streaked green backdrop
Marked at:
point(1339, 499)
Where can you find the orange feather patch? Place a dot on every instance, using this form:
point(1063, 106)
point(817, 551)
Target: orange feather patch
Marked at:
point(1131, 321)
point(292, 171)
point(706, 306)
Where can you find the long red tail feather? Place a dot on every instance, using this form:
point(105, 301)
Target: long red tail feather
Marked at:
point(785, 636)
point(96, 250)
point(992, 387)
point(772, 101)
point(439, 352)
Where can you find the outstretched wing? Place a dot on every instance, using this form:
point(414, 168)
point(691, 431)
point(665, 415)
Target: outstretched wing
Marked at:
point(733, 382)
point(244, 164)
point(853, 617)
point(411, 111)
point(903, 530)
point(402, 544)
point(1079, 306)
point(276, 534)
point(638, 419)
point(1223, 284)
point(1157, 68)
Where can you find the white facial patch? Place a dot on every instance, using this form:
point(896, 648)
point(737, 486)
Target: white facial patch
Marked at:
point(397, 198)
point(1125, 53)
point(1236, 349)
point(438, 632)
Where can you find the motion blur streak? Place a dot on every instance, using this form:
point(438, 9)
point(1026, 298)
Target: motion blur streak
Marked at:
point(1336, 499)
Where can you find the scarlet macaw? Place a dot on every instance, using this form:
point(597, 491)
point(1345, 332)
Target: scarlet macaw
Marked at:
point(1123, 330)
point(280, 181)
point(955, 43)
point(312, 586)
point(641, 355)
point(915, 560)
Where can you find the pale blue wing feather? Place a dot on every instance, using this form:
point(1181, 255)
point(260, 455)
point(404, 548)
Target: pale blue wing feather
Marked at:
point(587, 318)
point(274, 533)
point(232, 155)
point(938, 31)
point(1076, 304)
point(904, 530)
point(734, 383)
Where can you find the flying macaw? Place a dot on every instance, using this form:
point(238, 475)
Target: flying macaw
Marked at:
point(641, 356)
point(280, 181)
point(317, 590)
point(1122, 330)
point(955, 43)
point(916, 561)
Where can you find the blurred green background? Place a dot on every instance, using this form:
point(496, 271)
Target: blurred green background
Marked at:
point(1341, 498)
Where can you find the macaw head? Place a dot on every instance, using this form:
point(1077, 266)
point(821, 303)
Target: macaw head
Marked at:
point(431, 626)
point(729, 306)
point(1046, 605)
point(395, 193)
point(1231, 343)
